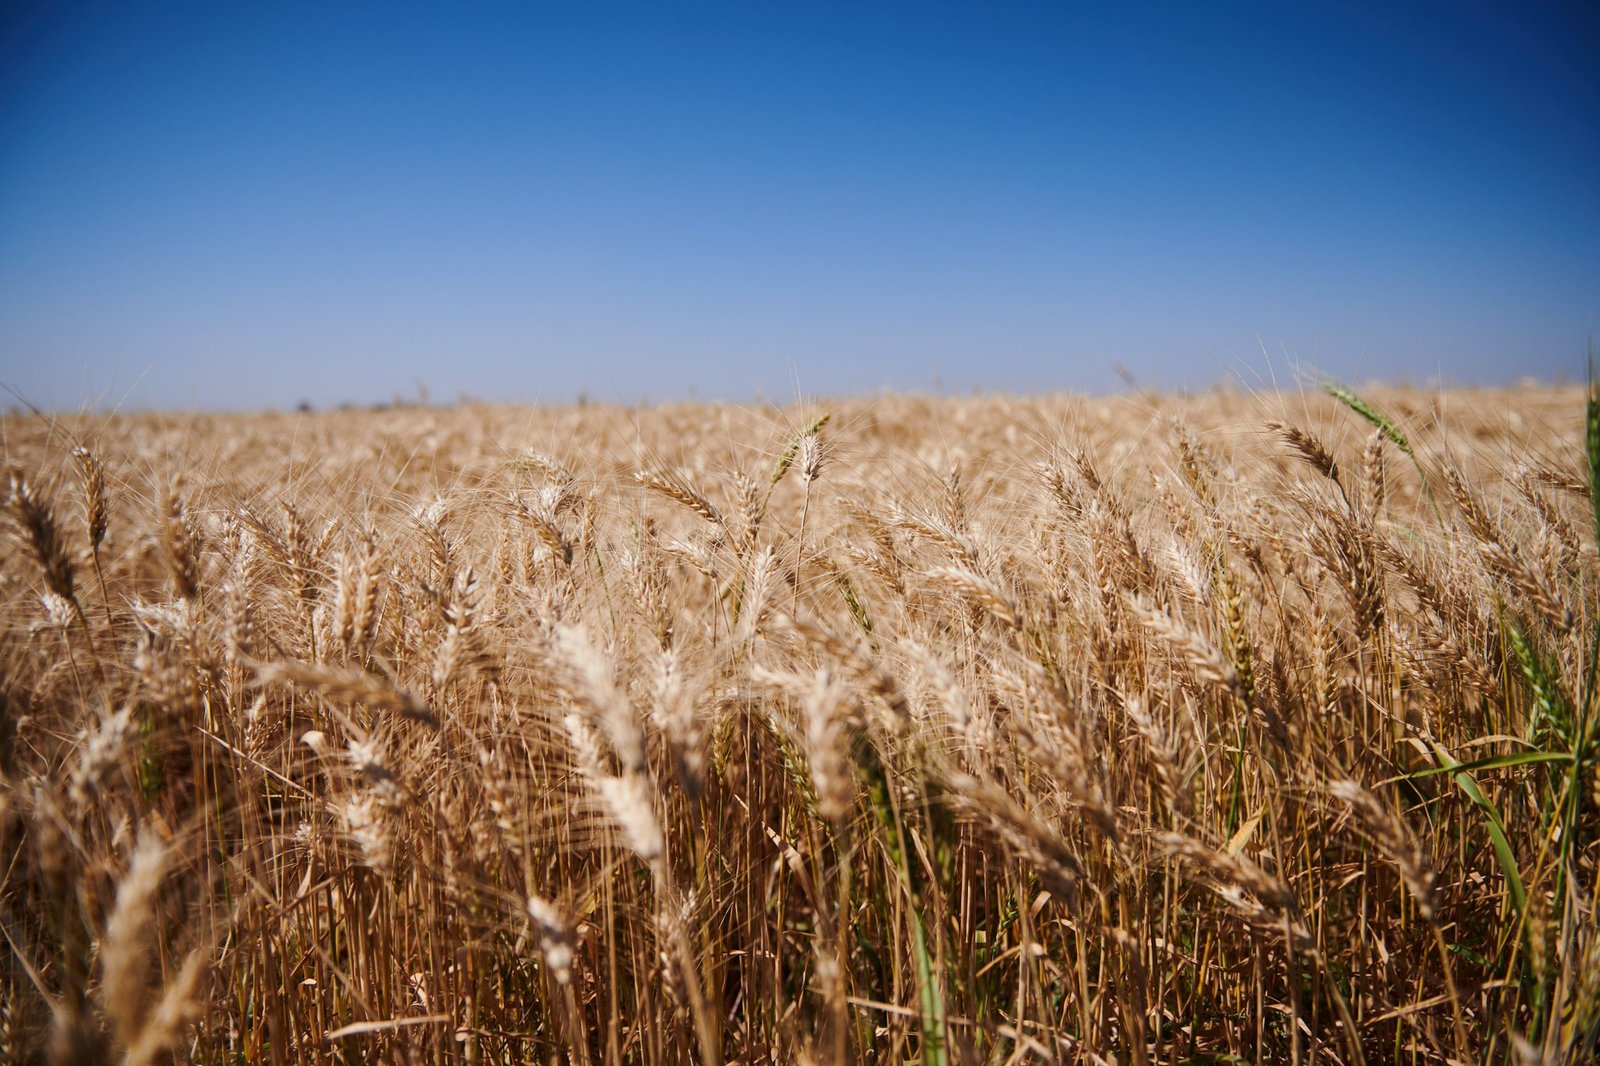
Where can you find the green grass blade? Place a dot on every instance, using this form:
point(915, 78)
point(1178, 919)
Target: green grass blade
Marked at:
point(1592, 447)
point(1493, 823)
point(1494, 762)
point(858, 610)
point(930, 998)
point(1361, 407)
point(1387, 427)
point(1551, 713)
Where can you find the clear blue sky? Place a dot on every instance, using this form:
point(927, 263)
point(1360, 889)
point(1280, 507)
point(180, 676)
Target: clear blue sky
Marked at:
point(237, 205)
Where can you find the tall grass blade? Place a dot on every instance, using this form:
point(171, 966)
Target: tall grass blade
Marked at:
point(1503, 853)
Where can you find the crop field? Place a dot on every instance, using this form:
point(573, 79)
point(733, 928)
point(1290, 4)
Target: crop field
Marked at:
point(1229, 728)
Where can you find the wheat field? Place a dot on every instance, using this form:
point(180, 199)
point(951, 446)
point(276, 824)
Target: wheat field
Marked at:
point(1149, 729)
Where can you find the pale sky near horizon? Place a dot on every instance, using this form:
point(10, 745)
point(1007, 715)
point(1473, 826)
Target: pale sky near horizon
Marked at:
point(241, 205)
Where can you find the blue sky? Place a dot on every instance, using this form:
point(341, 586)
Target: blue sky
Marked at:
point(230, 205)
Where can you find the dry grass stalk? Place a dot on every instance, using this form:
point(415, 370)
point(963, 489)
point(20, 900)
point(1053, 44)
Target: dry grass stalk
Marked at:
point(1374, 480)
point(1537, 592)
point(873, 677)
point(674, 712)
point(1309, 448)
point(37, 523)
point(1165, 756)
point(938, 531)
point(555, 938)
point(1395, 841)
point(181, 1002)
point(1345, 547)
point(544, 528)
point(787, 797)
point(344, 684)
point(1263, 900)
point(826, 730)
point(1042, 847)
point(126, 960)
point(181, 545)
point(96, 499)
point(547, 465)
point(1199, 654)
point(980, 590)
point(358, 581)
point(674, 487)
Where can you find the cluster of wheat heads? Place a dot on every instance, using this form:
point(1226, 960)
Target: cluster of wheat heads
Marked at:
point(1229, 728)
